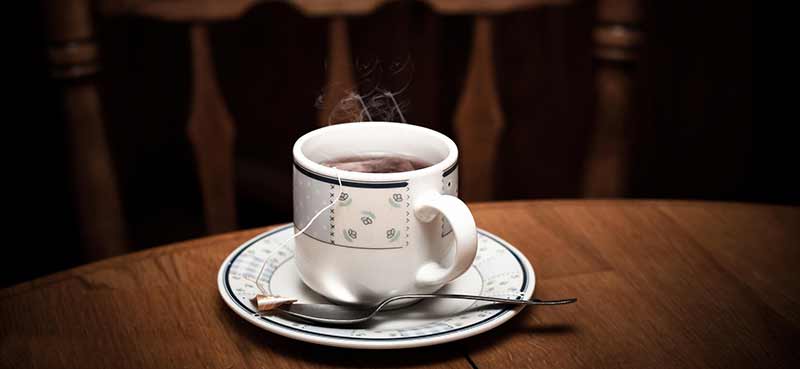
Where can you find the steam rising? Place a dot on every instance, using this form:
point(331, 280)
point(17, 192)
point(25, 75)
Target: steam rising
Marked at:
point(370, 101)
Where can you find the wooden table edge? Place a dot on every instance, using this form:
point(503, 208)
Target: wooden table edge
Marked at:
point(126, 258)
point(611, 201)
point(249, 233)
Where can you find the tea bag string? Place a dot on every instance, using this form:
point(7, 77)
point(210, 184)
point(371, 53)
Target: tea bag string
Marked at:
point(308, 225)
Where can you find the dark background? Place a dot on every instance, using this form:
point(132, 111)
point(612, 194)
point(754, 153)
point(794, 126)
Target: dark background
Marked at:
point(693, 135)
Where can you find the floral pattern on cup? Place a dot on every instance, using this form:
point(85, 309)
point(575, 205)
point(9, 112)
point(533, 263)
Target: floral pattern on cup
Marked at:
point(368, 217)
point(344, 199)
point(392, 234)
point(350, 234)
point(396, 200)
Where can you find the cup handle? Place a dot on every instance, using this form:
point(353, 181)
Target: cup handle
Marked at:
point(464, 231)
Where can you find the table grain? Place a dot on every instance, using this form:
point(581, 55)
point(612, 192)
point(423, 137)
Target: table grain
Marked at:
point(661, 284)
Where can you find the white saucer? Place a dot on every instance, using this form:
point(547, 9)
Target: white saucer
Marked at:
point(499, 270)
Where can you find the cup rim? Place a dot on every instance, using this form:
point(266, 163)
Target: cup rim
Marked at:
point(441, 166)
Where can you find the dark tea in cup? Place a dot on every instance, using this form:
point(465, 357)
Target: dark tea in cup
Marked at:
point(377, 163)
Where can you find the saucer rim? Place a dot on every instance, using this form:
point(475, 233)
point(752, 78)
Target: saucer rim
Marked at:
point(373, 343)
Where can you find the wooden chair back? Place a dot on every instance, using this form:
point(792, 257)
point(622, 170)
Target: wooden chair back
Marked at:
point(478, 123)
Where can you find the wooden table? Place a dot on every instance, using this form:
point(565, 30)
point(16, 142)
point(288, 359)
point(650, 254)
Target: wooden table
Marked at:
point(662, 284)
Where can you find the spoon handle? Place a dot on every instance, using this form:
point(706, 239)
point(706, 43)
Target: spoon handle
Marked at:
point(481, 298)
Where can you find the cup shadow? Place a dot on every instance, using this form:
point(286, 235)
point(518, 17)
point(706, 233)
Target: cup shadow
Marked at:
point(517, 326)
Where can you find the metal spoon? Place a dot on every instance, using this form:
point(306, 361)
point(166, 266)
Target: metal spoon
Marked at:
point(346, 315)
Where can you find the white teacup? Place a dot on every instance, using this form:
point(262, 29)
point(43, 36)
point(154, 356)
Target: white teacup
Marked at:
point(388, 233)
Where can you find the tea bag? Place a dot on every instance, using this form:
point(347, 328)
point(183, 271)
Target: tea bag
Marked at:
point(375, 165)
point(269, 302)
